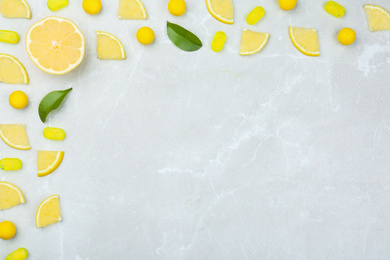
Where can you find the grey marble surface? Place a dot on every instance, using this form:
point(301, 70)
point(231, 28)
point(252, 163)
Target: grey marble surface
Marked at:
point(175, 155)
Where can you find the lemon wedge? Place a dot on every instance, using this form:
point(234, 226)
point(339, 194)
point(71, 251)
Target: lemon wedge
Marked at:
point(305, 40)
point(252, 42)
point(48, 161)
point(378, 18)
point(109, 47)
point(222, 10)
point(48, 212)
point(55, 45)
point(15, 9)
point(131, 9)
point(15, 135)
point(12, 71)
point(10, 195)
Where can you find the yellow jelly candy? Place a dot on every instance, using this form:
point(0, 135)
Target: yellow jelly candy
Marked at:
point(218, 41)
point(55, 5)
point(9, 36)
point(18, 99)
point(255, 15)
point(18, 254)
point(334, 9)
point(10, 164)
point(54, 133)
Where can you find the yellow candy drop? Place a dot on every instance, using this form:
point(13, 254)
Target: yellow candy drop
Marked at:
point(54, 133)
point(18, 254)
point(9, 36)
point(255, 15)
point(218, 41)
point(55, 5)
point(334, 9)
point(10, 164)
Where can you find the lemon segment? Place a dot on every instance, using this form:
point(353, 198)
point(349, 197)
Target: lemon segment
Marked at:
point(378, 18)
point(222, 10)
point(305, 40)
point(15, 135)
point(109, 47)
point(252, 42)
point(12, 71)
point(48, 161)
point(55, 45)
point(15, 9)
point(131, 9)
point(10, 195)
point(48, 212)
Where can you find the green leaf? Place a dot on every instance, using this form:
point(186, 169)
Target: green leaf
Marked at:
point(182, 38)
point(51, 102)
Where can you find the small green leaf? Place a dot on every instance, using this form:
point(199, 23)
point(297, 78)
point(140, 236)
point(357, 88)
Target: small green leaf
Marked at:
point(182, 38)
point(51, 102)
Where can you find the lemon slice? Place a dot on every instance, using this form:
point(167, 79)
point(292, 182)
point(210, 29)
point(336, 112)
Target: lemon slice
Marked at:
point(131, 9)
point(15, 9)
point(12, 71)
point(252, 42)
point(305, 40)
point(378, 18)
point(10, 195)
point(15, 135)
point(55, 45)
point(48, 212)
point(48, 161)
point(109, 47)
point(222, 10)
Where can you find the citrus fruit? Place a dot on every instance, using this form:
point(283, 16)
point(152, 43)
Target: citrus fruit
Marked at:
point(15, 9)
point(145, 35)
point(48, 212)
point(48, 161)
point(10, 195)
point(378, 18)
point(131, 9)
point(346, 36)
point(15, 135)
point(92, 6)
point(12, 72)
point(252, 42)
point(109, 47)
point(305, 40)
point(7, 230)
point(287, 4)
point(177, 7)
point(18, 99)
point(55, 45)
point(222, 10)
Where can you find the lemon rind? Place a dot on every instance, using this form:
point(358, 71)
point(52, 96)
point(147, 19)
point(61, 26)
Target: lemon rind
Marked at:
point(35, 60)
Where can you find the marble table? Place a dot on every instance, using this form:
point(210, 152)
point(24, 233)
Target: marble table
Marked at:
point(203, 155)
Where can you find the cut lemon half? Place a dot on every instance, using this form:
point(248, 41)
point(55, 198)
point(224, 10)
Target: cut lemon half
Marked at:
point(15, 9)
point(252, 42)
point(15, 135)
point(48, 161)
point(10, 195)
point(55, 45)
point(109, 47)
point(131, 9)
point(305, 40)
point(222, 10)
point(12, 71)
point(48, 212)
point(378, 18)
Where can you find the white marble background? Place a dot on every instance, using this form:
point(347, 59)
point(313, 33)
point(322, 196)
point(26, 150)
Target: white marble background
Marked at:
point(175, 155)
